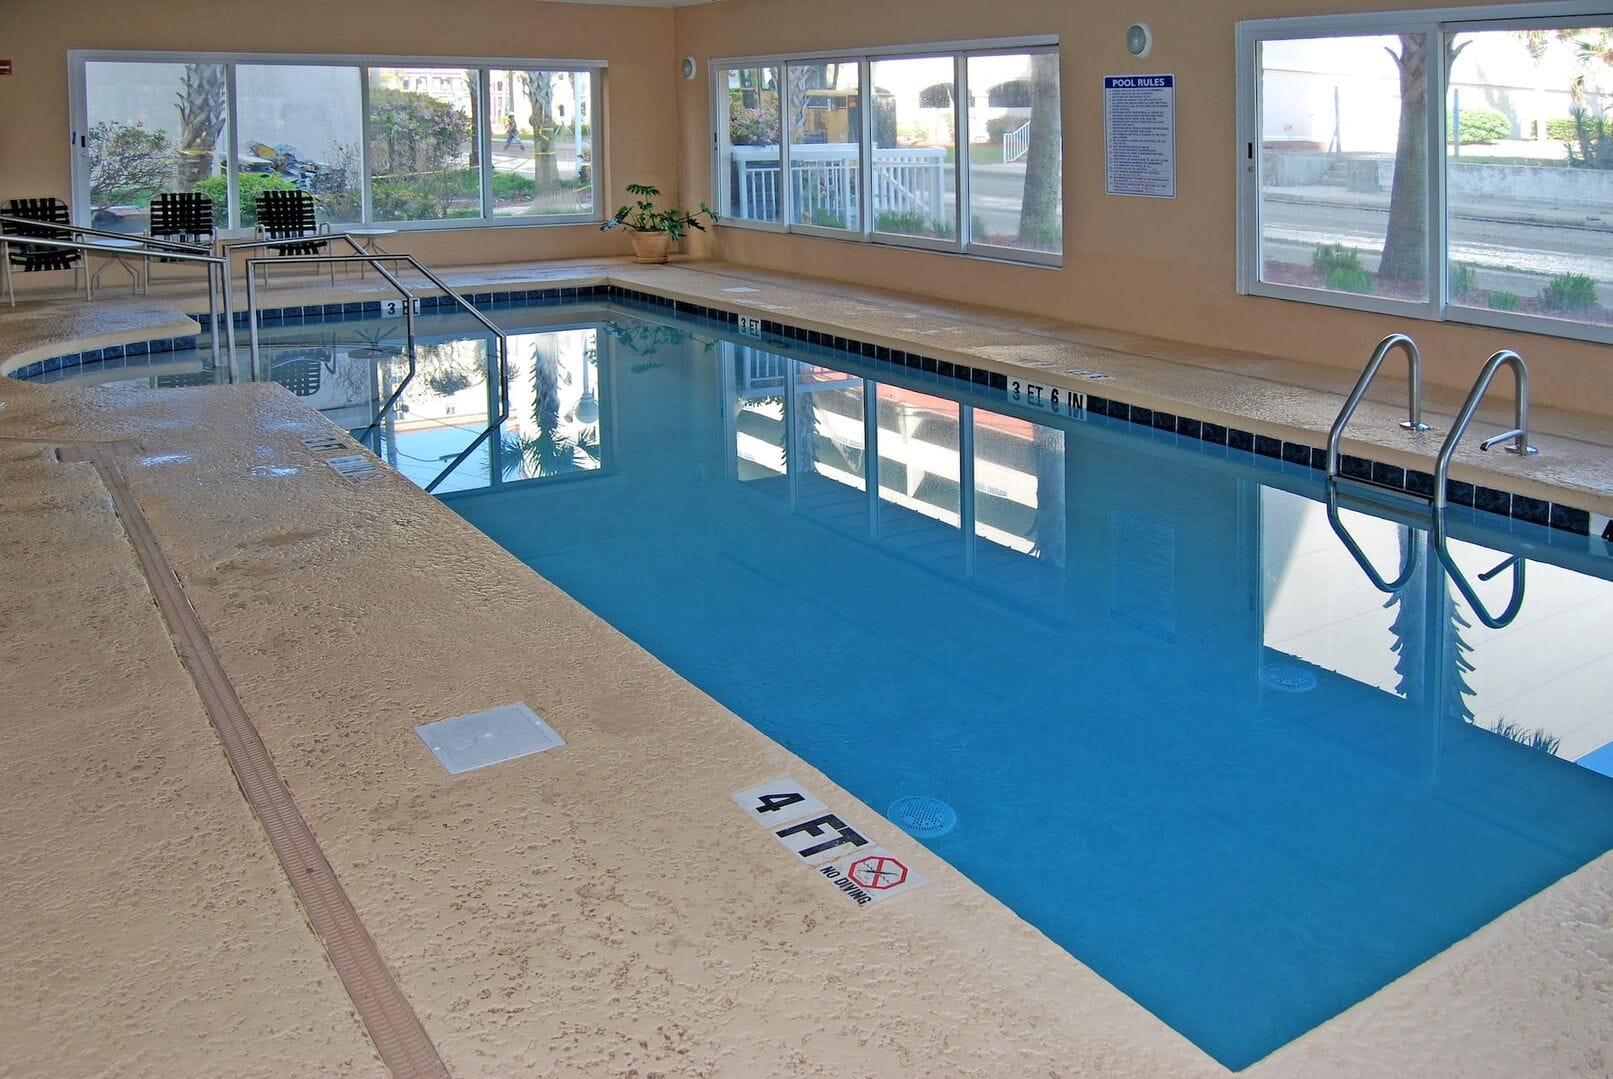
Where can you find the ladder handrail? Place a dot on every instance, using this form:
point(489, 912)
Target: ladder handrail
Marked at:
point(1519, 434)
point(1407, 571)
point(375, 260)
point(1476, 605)
point(1414, 409)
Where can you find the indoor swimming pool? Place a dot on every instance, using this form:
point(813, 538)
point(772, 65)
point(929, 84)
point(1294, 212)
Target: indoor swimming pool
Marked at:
point(1168, 716)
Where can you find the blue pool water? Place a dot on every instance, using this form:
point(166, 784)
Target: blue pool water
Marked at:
point(1180, 731)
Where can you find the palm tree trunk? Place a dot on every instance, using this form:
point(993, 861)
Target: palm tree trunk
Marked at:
point(201, 122)
point(1039, 205)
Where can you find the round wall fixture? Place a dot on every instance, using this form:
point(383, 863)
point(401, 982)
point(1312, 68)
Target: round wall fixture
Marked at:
point(1139, 40)
point(690, 67)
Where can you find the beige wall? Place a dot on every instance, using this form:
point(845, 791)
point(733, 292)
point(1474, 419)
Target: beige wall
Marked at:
point(637, 43)
point(1159, 267)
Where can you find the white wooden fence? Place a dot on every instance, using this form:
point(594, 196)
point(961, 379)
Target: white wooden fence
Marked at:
point(1016, 143)
point(824, 180)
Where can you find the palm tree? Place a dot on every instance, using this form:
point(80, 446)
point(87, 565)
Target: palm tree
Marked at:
point(540, 96)
point(1039, 224)
point(201, 122)
point(1405, 244)
point(1412, 628)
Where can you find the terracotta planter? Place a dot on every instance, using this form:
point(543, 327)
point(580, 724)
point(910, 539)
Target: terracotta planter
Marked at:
point(650, 246)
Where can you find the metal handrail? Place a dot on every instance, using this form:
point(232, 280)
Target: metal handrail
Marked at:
point(1519, 434)
point(1407, 571)
point(85, 230)
point(408, 313)
point(1414, 409)
point(1476, 605)
point(375, 260)
point(218, 277)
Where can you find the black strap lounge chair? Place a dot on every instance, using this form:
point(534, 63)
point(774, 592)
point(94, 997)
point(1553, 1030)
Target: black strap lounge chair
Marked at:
point(289, 216)
point(52, 215)
point(186, 216)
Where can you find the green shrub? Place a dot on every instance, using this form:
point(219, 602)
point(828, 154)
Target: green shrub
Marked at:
point(998, 126)
point(512, 185)
point(1461, 279)
point(253, 184)
point(1329, 257)
point(1569, 293)
point(1351, 279)
point(1504, 301)
point(1480, 125)
point(905, 222)
point(1567, 130)
point(825, 218)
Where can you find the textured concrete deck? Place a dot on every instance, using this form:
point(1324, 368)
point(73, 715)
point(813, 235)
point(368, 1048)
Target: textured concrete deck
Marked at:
point(599, 910)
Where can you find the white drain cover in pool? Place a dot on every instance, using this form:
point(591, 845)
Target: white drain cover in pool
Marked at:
point(499, 734)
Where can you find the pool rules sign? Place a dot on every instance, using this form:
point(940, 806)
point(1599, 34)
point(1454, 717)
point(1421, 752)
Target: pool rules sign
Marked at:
point(840, 853)
point(1139, 135)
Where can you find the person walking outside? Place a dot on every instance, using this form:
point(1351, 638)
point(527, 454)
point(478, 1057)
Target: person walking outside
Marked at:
point(512, 133)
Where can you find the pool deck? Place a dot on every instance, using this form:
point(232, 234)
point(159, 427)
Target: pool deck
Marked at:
point(602, 909)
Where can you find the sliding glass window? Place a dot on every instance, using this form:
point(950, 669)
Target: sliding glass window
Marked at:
point(955, 149)
point(1440, 164)
point(409, 144)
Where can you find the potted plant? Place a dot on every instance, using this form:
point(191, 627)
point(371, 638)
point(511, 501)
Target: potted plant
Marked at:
point(654, 230)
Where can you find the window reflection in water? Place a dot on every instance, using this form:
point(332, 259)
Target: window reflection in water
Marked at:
point(979, 492)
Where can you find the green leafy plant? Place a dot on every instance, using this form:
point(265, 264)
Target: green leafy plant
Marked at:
point(643, 216)
point(128, 163)
point(253, 184)
point(1329, 257)
point(1461, 279)
point(1569, 293)
point(825, 218)
point(1351, 279)
point(1480, 125)
point(1504, 301)
point(998, 126)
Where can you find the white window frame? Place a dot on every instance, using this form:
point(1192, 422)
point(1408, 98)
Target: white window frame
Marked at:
point(1436, 23)
point(78, 106)
point(959, 52)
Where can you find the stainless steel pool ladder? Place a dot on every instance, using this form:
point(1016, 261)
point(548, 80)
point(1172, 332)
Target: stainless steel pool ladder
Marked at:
point(1519, 436)
point(1520, 430)
point(1414, 387)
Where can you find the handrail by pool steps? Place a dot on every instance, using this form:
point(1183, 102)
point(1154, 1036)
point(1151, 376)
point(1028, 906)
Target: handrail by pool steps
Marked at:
point(375, 260)
point(1519, 433)
point(1414, 404)
point(149, 247)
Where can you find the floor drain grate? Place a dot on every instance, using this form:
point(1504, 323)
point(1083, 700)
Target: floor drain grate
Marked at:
point(922, 816)
point(1288, 677)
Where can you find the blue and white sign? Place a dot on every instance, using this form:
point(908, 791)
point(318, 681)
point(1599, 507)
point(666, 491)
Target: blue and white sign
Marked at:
point(1139, 135)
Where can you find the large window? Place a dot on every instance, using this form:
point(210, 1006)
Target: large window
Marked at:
point(404, 143)
point(952, 149)
point(1449, 164)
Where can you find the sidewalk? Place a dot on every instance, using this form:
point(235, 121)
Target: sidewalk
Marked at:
point(1510, 211)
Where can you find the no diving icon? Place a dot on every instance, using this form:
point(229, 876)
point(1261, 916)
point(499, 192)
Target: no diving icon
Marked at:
point(878, 872)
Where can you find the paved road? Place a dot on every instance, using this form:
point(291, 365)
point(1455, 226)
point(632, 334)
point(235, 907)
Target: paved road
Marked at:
point(1512, 255)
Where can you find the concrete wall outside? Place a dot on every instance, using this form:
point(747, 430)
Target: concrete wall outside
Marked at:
point(1165, 268)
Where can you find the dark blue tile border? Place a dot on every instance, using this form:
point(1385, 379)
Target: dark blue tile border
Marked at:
point(977, 381)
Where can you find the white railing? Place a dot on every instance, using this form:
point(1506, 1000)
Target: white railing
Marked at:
point(824, 183)
point(1016, 143)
